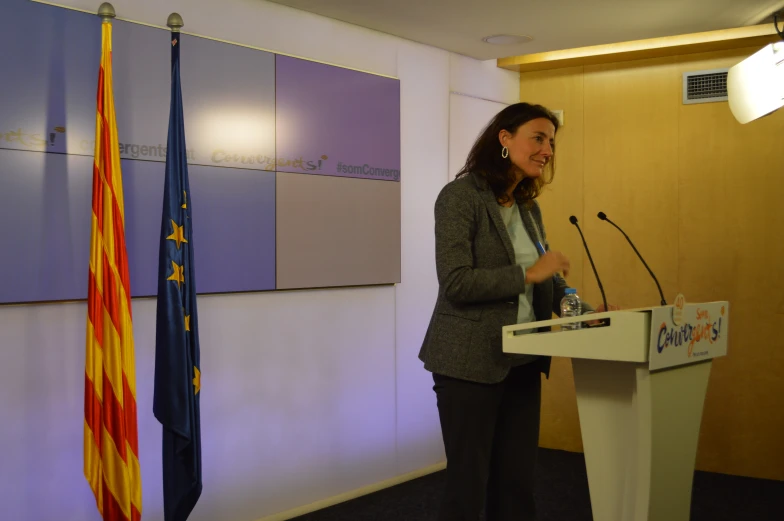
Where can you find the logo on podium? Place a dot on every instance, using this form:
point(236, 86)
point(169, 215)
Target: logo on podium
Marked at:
point(688, 333)
point(677, 309)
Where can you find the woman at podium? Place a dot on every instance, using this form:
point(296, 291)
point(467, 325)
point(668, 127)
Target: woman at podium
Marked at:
point(494, 269)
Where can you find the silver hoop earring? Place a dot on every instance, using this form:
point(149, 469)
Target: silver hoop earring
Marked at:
point(504, 152)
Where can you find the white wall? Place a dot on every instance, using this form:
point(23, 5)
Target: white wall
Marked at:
point(424, 118)
point(468, 116)
point(305, 394)
point(478, 91)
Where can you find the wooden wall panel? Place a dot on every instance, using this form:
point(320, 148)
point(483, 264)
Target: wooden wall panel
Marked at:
point(699, 194)
point(631, 174)
point(731, 185)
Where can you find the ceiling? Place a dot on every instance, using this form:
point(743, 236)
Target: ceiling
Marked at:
point(460, 25)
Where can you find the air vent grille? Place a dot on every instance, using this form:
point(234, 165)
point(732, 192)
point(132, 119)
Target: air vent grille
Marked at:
point(705, 86)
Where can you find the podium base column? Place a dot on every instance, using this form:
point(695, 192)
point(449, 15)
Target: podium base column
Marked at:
point(640, 432)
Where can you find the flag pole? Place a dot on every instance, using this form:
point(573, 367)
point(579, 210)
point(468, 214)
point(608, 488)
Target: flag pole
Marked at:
point(174, 22)
point(176, 396)
point(106, 12)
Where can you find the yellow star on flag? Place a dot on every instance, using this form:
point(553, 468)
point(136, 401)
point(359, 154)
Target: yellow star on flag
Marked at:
point(178, 276)
point(178, 234)
point(187, 322)
point(196, 380)
point(184, 198)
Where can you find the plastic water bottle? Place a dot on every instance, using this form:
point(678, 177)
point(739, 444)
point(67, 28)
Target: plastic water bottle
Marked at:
point(571, 306)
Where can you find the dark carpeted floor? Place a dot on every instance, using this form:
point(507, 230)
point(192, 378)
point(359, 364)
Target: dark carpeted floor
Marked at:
point(562, 495)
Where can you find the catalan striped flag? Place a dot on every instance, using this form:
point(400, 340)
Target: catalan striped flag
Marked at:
point(111, 449)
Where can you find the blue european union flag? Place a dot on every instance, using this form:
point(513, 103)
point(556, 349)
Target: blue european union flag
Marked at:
point(177, 370)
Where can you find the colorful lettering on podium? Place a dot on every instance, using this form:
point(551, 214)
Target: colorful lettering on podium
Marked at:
point(691, 334)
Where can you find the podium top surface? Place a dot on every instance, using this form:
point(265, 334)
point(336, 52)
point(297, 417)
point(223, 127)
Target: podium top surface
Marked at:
point(625, 338)
point(628, 336)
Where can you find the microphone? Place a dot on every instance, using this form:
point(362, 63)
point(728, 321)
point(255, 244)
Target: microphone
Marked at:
point(603, 217)
point(573, 220)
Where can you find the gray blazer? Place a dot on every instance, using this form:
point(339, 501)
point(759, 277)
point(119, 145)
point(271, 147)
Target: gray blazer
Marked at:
point(479, 284)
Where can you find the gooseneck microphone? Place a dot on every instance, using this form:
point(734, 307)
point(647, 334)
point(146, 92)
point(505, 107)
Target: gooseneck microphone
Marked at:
point(573, 220)
point(603, 217)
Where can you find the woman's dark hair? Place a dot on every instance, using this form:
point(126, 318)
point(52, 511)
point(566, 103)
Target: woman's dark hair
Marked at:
point(485, 157)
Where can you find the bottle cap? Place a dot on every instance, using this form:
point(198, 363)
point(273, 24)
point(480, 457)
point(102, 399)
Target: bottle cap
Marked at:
point(571, 291)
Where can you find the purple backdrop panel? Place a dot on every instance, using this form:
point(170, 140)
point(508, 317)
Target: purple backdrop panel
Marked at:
point(45, 226)
point(48, 77)
point(334, 121)
point(334, 231)
point(50, 74)
point(228, 99)
point(229, 104)
point(233, 227)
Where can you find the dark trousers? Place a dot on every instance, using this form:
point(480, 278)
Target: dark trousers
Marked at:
point(491, 437)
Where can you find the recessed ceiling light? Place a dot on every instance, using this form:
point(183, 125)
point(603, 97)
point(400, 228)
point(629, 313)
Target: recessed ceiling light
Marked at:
point(507, 39)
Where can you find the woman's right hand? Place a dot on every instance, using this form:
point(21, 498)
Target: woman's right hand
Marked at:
point(548, 265)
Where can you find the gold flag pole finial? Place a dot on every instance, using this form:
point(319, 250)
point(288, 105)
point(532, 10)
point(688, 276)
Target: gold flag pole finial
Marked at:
point(175, 22)
point(106, 12)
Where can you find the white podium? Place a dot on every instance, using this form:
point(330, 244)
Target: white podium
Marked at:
point(641, 384)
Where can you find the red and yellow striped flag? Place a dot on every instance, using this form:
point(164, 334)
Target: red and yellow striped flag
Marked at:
point(111, 448)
